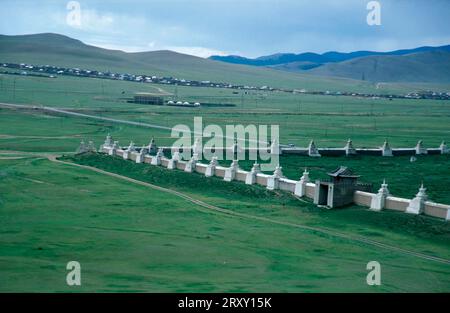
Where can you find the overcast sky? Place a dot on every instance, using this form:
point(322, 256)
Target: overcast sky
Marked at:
point(245, 27)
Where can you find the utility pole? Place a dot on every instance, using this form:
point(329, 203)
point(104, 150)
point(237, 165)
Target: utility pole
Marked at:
point(14, 89)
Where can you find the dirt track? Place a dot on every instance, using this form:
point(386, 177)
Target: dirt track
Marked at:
point(209, 208)
point(214, 209)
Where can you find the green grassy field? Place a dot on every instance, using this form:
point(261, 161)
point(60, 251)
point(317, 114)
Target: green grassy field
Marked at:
point(31, 131)
point(34, 132)
point(329, 120)
point(131, 238)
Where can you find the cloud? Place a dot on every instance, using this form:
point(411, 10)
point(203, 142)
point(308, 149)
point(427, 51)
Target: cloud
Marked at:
point(91, 20)
point(201, 52)
point(197, 51)
point(113, 46)
point(245, 27)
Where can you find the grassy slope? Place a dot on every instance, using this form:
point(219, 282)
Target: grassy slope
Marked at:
point(129, 238)
point(63, 51)
point(418, 67)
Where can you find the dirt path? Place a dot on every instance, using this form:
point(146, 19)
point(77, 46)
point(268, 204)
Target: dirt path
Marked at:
point(13, 158)
point(5, 136)
point(60, 111)
point(213, 208)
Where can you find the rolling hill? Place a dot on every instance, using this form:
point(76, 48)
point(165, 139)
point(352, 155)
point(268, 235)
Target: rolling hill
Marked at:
point(430, 66)
point(424, 64)
point(59, 50)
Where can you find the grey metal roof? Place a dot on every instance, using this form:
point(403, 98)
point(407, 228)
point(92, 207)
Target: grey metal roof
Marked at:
point(343, 171)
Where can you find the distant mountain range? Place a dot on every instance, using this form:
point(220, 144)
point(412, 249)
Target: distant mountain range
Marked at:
point(423, 64)
point(328, 57)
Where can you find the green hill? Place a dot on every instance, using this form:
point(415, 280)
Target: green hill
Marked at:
point(54, 49)
point(430, 67)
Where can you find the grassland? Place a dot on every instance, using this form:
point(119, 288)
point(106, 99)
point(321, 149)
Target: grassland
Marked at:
point(329, 120)
point(131, 238)
point(32, 131)
point(402, 122)
point(35, 132)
